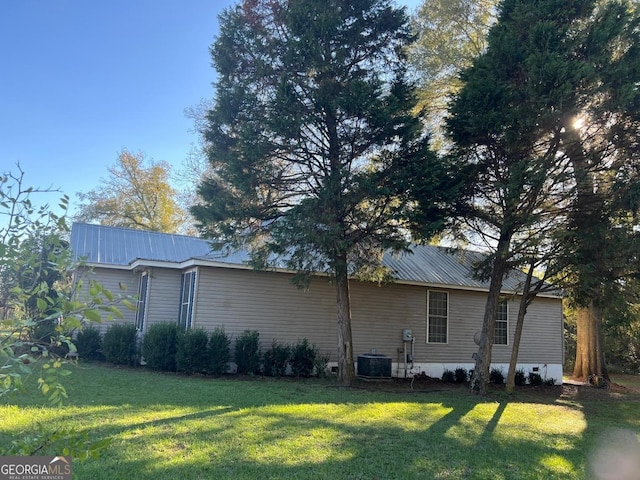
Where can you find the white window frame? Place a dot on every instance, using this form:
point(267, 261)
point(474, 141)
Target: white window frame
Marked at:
point(143, 301)
point(429, 315)
point(187, 303)
point(505, 320)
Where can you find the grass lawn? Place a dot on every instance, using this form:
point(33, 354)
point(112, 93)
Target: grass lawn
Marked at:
point(167, 427)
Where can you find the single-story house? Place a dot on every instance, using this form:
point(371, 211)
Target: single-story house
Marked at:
point(425, 321)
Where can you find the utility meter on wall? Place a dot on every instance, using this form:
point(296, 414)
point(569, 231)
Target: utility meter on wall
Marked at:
point(407, 335)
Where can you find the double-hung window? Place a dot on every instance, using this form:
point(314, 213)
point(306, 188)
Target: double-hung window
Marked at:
point(143, 288)
point(501, 335)
point(437, 316)
point(187, 293)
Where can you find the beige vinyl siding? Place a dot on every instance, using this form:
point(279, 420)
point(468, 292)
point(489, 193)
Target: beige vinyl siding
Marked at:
point(267, 302)
point(164, 296)
point(542, 335)
point(240, 300)
point(380, 313)
point(112, 279)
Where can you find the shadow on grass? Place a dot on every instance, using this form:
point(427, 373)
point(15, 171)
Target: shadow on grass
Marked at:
point(167, 426)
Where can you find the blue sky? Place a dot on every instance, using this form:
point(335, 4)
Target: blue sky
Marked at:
point(81, 79)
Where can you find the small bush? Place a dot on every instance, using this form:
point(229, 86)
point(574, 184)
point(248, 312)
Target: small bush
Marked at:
point(448, 376)
point(321, 364)
point(277, 359)
point(248, 352)
point(496, 376)
point(461, 375)
point(160, 345)
point(120, 346)
point(219, 352)
point(88, 342)
point(520, 378)
point(304, 358)
point(535, 379)
point(191, 352)
point(550, 382)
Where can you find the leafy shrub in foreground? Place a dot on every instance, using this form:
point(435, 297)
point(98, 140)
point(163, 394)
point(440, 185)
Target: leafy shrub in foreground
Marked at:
point(247, 352)
point(448, 376)
point(219, 352)
point(276, 359)
point(159, 346)
point(320, 365)
point(535, 379)
point(304, 358)
point(461, 375)
point(496, 376)
point(191, 352)
point(88, 342)
point(520, 379)
point(119, 344)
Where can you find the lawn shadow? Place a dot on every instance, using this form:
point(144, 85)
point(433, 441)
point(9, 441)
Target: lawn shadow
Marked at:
point(206, 428)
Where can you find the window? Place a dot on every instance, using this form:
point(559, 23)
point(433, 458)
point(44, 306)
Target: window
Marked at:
point(501, 336)
point(187, 291)
point(143, 288)
point(437, 316)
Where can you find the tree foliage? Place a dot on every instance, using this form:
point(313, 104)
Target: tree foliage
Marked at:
point(40, 306)
point(451, 34)
point(547, 65)
point(317, 156)
point(135, 195)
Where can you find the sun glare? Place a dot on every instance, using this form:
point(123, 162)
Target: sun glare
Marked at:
point(578, 122)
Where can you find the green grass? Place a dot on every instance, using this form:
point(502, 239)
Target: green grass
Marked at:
point(167, 427)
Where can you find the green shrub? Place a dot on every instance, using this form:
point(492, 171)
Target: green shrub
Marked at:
point(248, 352)
point(160, 345)
point(535, 379)
point(461, 375)
point(191, 352)
point(520, 379)
point(88, 342)
point(219, 352)
point(321, 364)
point(448, 376)
point(550, 382)
point(304, 358)
point(277, 359)
point(496, 376)
point(120, 346)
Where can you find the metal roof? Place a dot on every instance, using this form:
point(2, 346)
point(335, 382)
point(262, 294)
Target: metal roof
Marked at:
point(424, 264)
point(106, 245)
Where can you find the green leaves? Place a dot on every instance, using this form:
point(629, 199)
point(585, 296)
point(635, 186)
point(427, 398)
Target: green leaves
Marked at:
point(41, 306)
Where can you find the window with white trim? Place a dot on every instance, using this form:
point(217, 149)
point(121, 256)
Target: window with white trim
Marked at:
point(501, 335)
point(143, 288)
point(187, 292)
point(437, 316)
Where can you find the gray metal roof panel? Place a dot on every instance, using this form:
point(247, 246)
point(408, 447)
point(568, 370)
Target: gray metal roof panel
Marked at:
point(444, 266)
point(424, 264)
point(121, 246)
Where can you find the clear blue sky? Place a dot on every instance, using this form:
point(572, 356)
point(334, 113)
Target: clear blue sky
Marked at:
point(82, 79)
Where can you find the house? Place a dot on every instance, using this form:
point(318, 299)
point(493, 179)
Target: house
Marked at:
point(425, 321)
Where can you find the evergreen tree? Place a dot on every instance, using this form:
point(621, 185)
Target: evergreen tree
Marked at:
point(316, 155)
point(549, 63)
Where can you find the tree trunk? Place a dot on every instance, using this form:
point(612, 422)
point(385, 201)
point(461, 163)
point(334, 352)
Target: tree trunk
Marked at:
point(515, 350)
point(480, 377)
point(589, 350)
point(346, 368)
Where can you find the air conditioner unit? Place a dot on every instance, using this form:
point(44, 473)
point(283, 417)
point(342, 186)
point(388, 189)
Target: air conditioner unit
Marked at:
point(374, 366)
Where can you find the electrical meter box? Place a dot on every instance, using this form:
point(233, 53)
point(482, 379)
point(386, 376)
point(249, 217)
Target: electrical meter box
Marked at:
point(407, 335)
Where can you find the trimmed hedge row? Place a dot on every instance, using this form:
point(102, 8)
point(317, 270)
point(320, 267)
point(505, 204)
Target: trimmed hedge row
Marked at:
point(166, 347)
